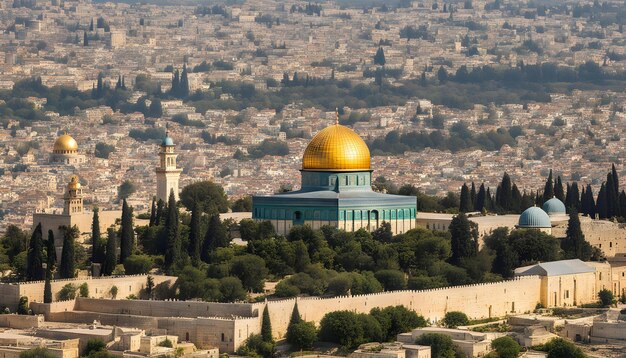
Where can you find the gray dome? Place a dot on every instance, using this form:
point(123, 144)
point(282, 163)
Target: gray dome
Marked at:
point(534, 218)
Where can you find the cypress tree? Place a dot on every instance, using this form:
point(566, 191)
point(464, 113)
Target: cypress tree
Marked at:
point(575, 196)
point(110, 260)
point(173, 254)
point(175, 84)
point(464, 239)
point(601, 204)
point(184, 83)
point(504, 195)
point(34, 269)
point(85, 39)
point(489, 200)
point(153, 210)
point(159, 214)
point(465, 199)
point(127, 235)
point(67, 268)
point(622, 203)
point(91, 25)
point(548, 189)
point(480, 198)
point(51, 252)
point(615, 178)
point(47, 287)
point(295, 315)
point(558, 189)
point(156, 109)
point(379, 58)
point(96, 248)
point(516, 199)
point(473, 196)
point(589, 202)
point(194, 235)
point(574, 244)
point(118, 85)
point(215, 237)
point(612, 197)
point(266, 327)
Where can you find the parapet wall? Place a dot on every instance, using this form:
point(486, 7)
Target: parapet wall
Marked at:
point(190, 309)
point(20, 321)
point(99, 287)
point(477, 301)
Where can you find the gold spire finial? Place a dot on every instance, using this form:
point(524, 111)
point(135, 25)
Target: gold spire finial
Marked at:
point(336, 116)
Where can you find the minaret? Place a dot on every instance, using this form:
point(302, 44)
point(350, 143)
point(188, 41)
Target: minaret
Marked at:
point(73, 198)
point(167, 173)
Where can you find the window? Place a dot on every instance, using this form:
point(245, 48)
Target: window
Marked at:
point(222, 337)
point(566, 293)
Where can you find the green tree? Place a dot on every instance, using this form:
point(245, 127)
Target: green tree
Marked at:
point(391, 280)
point(441, 346)
point(533, 246)
point(110, 260)
point(83, 290)
point(67, 292)
point(51, 252)
point(209, 197)
point(67, 268)
point(173, 253)
point(506, 347)
point(126, 189)
point(301, 335)
point(215, 237)
point(506, 258)
point(96, 243)
point(560, 348)
point(39, 352)
point(464, 238)
point(606, 297)
point(574, 245)
point(94, 345)
point(153, 209)
point(379, 58)
point(231, 289)
point(251, 270)
point(342, 327)
point(138, 264)
point(558, 189)
point(295, 315)
point(22, 306)
point(127, 233)
point(194, 236)
point(453, 319)
point(47, 288)
point(466, 201)
point(397, 319)
point(266, 326)
point(548, 189)
point(113, 291)
point(35, 256)
point(156, 109)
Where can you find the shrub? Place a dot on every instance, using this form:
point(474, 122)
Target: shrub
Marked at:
point(342, 327)
point(113, 291)
point(166, 343)
point(454, 319)
point(38, 352)
point(83, 290)
point(68, 292)
point(22, 307)
point(301, 335)
point(138, 264)
point(440, 344)
point(94, 345)
point(391, 279)
point(396, 320)
point(560, 348)
point(285, 289)
point(606, 297)
point(506, 347)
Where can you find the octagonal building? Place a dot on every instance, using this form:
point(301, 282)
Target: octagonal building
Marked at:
point(336, 190)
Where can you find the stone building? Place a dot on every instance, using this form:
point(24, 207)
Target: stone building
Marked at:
point(336, 190)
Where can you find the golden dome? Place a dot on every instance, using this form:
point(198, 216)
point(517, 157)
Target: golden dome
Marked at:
point(65, 143)
point(336, 148)
point(74, 183)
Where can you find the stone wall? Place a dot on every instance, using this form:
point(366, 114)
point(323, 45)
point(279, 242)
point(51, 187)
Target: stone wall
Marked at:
point(99, 287)
point(477, 301)
point(20, 321)
point(191, 309)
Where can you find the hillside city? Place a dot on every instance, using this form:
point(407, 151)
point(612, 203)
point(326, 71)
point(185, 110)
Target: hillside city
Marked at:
point(271, 178)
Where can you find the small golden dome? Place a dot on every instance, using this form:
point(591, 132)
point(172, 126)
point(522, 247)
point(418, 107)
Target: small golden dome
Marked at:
point(336, 148)
point(65, 143)
point(74, 183)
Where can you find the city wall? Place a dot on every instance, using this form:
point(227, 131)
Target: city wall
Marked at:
point(99, 287)
point(477, 301)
